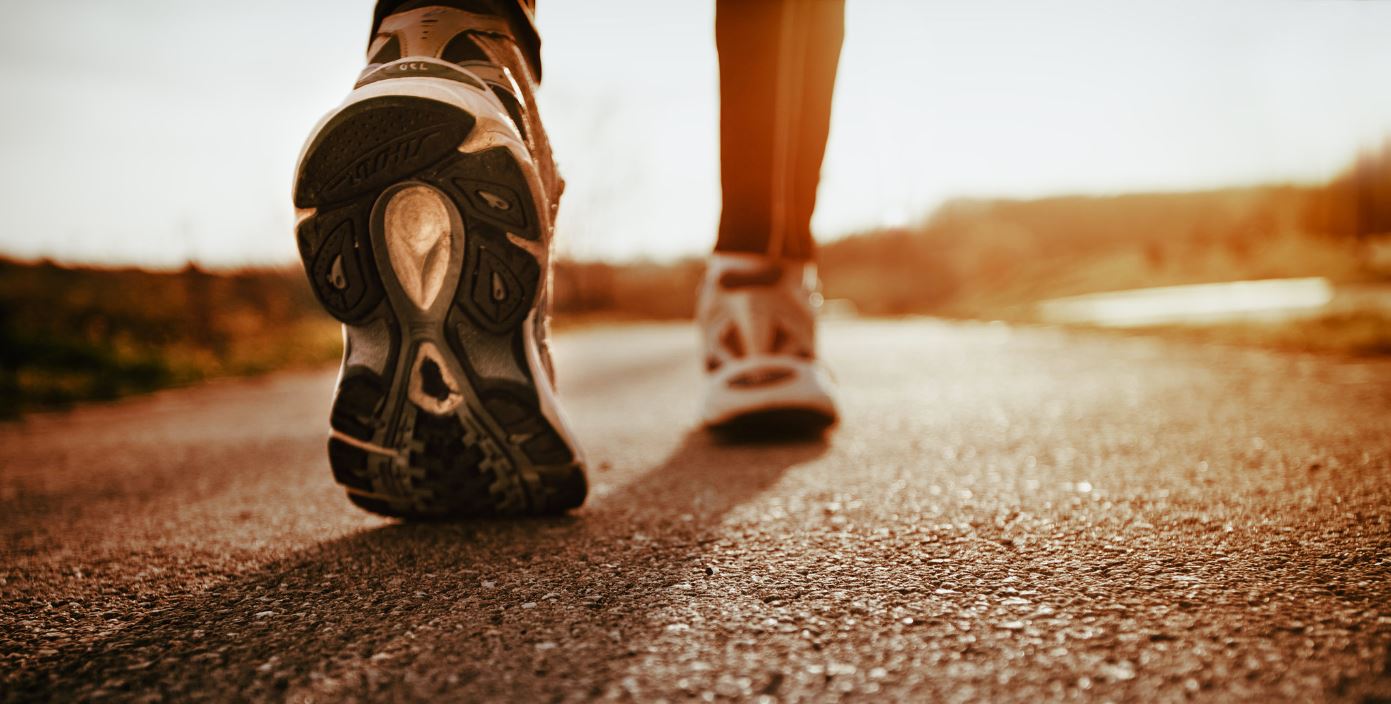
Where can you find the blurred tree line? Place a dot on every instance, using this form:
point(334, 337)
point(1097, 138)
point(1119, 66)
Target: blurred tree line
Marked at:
point(1357, 204)
point(992, 257)
point(69, 333)
point(995, 257)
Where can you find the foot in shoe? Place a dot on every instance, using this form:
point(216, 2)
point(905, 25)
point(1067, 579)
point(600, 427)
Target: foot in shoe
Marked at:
point(425, 225)
point(762, 377)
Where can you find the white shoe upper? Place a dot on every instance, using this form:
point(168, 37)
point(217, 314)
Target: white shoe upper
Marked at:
point(757, 319)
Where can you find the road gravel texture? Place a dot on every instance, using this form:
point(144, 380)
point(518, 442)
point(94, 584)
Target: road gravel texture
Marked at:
point(1004, 515)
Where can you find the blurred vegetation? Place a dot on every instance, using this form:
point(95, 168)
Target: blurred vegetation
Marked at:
point(638, 291)
point(996, 258)
point(76, 333)
point(73, 333)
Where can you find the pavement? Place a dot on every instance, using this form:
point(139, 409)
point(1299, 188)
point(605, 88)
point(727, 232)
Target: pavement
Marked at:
point(1005, 514)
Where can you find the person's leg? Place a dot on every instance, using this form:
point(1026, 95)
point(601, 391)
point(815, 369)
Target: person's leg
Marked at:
point(757, 305)
point(425, 206)
point(778, 63)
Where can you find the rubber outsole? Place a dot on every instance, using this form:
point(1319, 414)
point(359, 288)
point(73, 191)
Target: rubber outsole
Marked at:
point(774, 425)
point(437, 413)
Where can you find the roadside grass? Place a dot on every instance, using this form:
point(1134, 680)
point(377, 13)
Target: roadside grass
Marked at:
point(70, 334)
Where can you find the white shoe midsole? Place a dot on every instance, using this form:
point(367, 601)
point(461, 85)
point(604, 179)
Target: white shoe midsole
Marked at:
point(800, 384)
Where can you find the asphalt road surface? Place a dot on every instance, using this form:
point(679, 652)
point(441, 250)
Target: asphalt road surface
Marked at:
point(1004, 515)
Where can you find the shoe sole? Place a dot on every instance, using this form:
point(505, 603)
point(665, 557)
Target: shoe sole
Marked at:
point(421, 231)
point(778, 398)
point(774, 425)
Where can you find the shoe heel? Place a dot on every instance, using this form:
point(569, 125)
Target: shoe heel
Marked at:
point(420, 232)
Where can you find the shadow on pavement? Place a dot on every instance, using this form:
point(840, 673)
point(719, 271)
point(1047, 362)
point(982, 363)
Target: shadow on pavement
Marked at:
point(514, 609)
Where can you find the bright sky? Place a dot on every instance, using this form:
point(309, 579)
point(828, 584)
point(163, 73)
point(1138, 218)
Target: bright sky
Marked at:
point(157, 131)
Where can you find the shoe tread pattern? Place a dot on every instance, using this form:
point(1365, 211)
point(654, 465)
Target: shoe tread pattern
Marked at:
point(497, 453)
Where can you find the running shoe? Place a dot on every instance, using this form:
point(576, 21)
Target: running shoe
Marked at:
point(757, 317)
point(425, 207)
